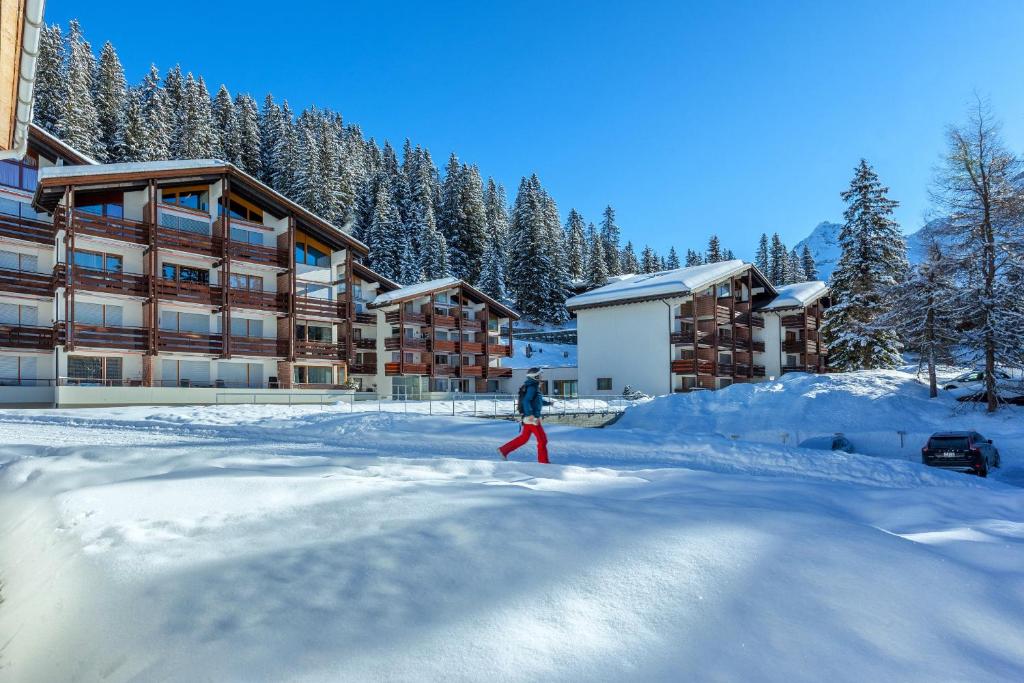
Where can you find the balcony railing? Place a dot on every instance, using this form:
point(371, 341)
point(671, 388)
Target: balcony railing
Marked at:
point(471, 371)
point(757, 345)
point(445, 346)
point(800, 346)
point(799, 320)
point(725, 369)
point(25, 282)
point(690, 366)
point(317, 349)
point(258, 346)
point(190, 342)
point(257, 299)
point(444, 370)
point(445, 320)
point(362, 369)
point(245, 251)
point(98, 336)
point(320, 308)
point(364, 343)
point(413, 318)
point(472, 325)
point(191, 292)
point(26, 337)
point(395, 368)
point(120, 229)
point(105, 281)
point(27, 229)
point(758, 370)
point(795, 368)
point(498, 373)
point(409, 344)
point(182, 240)
point(472, 347)
point(499, 350)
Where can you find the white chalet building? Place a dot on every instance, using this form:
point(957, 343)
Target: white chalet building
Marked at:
point(703, 327)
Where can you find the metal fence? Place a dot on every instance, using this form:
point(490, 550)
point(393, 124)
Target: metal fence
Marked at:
point(468, 405)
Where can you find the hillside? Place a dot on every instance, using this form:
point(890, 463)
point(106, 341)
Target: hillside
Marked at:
point(824, 244)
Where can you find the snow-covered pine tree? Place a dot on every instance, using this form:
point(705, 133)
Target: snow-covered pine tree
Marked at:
point(497, 220)
point(778, 260)
point(197, 139)
point(176, 103)
point(226, 136)
point(810, 270)
point(761, 259)
point(157, 119)
point(492, 274)
point(536, 289)
point(270, 128)
point(873, 261)
point(434, 248)
point(628, 260)
point(472, 232)
point(385, 235)
point(728, 255)
point(411, 268)
point(285, 169)
point(247, 131)
point(650, 261)
point(979, 188)
point(79, 121)
point(449, 213)
point(110, 95)
point(597, 265)
point(51, 77)
point(794, 268)
point(576, 245)
point(131, 143)
point(693, 258)
point(610, 235)
point(672, 261)
point(714, 253)
point(925, 310)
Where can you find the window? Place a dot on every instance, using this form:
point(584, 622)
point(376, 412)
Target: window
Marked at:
point(12, 260)
point(724, 357)
point(311, 256)
point(102, 315)
point(312, 332)
point(246, 327)
point(109, 204)
point(313, 374)
point(173, 221)
point(723, 383)
point(176, 321)
point(172, 271)
point(241, 209)
point(110, 263)
point(604, 383)
point(18, 315)
point(724, 290)
point(16, 370)
point(195, 198)
point(85, 369)
point(565, 387)
point(313, 290)
point(543, 386)
point(240, 374)
point(440, 359)
point(246, 236)
point(792, 361)
point(686, 383)
point(21, 175)
point(13, 207)
point(185, 373)
point(253, 283)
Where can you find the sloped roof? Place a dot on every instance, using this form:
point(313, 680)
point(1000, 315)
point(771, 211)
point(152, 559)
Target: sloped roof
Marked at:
point(797, 295)
point(666, 283)
point(430, 286)
point(60, 146)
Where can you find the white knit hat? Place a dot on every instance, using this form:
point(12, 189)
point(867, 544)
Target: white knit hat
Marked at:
point(533, 372)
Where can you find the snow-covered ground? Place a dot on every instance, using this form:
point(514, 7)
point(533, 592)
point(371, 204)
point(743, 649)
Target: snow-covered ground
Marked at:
point(544, 355)
point(268, 543)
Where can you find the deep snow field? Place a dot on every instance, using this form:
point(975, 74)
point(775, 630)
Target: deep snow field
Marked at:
point(689, 541)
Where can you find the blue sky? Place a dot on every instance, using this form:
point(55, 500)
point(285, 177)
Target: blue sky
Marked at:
point(689, 118)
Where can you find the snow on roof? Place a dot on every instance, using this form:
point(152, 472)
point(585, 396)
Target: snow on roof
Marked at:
point(797, 295)
point(129, 167)
point(414, 290)
point(662, 284)
point(43, 133)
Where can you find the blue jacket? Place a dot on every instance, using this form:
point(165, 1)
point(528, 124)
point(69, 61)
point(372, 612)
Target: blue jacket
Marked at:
point(533, 400)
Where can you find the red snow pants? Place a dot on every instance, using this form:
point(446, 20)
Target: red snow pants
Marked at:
point(524, 436)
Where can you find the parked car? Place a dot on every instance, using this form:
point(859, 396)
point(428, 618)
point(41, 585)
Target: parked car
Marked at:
point(961, 451)
point(836, 442)
point(970, 386)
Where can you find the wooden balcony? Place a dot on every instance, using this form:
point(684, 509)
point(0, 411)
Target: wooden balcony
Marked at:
point(120, 229)
point(257, 300)
point(363, 369)
point(498, 373)
point(800, 346)
point(795, 368)
point(103, 281)
point(799, 320)
point(258, 346)
point(472, 347)
point(410, 317)
point(394, 368)
point(471, 371)
point(448, 321)
point(757, 345)
point(190, 342)
point(191, 242)
point(396, 343)
point(317, 349)
point(26, 229)
point(25, 282)
point(691, 366)
point(318, 308)
point(474, 325)
point(757, 370)
point(26, 337)
point(725, 369)
point(97, 336)
point(189, 292)
point(743, 370)
point(244, 251)
point(445, 346)
point(499, 349)
point(444, 370)
point(365, 318)
point(365, 343)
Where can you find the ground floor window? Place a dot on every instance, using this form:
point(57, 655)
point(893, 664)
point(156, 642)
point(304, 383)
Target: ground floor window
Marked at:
point(412, 387)
point(686, 383)
point(184, 373)
point(565, 387)
point(16, 370)
point(604, 383)
point(723, 383)
point(314, 374)
point(240, 374)
point(16, 314)
point(95, 369)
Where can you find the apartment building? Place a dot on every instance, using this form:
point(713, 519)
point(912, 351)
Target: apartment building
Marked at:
point(703, 327)
point(188, 274)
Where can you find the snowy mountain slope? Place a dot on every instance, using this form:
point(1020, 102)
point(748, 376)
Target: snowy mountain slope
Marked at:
point(267, 543)
point(824, 244)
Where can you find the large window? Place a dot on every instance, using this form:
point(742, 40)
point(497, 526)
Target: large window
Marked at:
point(98, 369)
point(313, 374)
point(604, 383)
point(566, 388)
point(312, 332)
point(21, 175)
point(94, 260)
point(18, 315)
point(172, 271)
point(178, 321)
point(185, 373)
point(13, 207)
point(246, 236)
point(310, 255)
point(195, 198)
point(12, 260)
point(16, 370)
point(246, 327)
point(253, 283)
point(101, 315)
point(241, 209)
point(313, 290)
point(101, 204)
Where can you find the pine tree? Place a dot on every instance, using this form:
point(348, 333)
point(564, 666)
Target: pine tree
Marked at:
point(979, 187)
point(597, 265)
point(385, 235)
point(714, 253)
point(924, 312)
point(51, 77)
point(434, 254)
point(610, 235)
point(873, 261)
point(223, 112)
point(132, 142)
point(810, 270)
point(449, 213)
point(778, 261)
point(794, 268)
point(672, 262)
point(651, 263)
point(472, 232)
point(156, 118)
point(576, 245)
point(110, 93)
point(537, 290)
point(628, 260)
point(175, 101)
point(247, 135)
point(492, 274)
point(693, 258)
point(270, 129)
point(411, 268)
point(761, 260)
point(196, 139)
point(285, 154)
point(79, 122)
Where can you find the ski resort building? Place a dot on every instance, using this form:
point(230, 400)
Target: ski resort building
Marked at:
point(177, 281)
point(703, 327)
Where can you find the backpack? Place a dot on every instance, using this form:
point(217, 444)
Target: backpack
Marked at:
point(521, 397)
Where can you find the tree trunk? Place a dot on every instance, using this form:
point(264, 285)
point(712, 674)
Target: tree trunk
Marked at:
point(933, 387)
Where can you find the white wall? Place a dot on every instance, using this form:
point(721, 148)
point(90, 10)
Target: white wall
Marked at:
point(772, 335)
point(629, 344)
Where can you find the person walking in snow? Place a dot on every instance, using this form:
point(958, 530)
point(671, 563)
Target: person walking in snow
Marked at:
point(531, 402)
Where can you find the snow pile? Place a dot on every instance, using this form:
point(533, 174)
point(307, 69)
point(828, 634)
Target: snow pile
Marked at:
point(675, 282)
point(267, 543)
point(797, 295)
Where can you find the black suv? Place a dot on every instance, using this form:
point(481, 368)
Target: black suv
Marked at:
point(961, 451)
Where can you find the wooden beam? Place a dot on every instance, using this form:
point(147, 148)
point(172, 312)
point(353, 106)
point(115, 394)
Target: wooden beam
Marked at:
point(225, 255)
